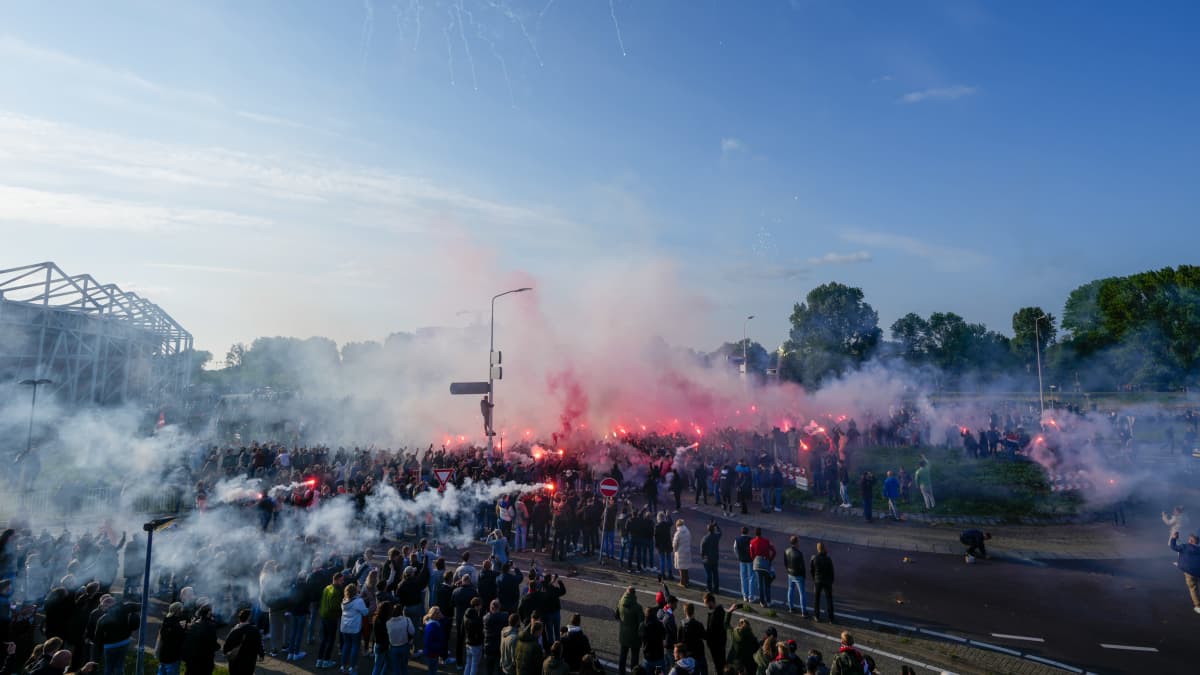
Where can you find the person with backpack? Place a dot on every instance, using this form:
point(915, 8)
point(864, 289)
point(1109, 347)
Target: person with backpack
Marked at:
point(243, 646)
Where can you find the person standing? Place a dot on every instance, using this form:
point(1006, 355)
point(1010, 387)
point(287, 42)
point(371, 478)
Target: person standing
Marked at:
point(243, 646)
point(700, 478)
point(693, 637)
point(762, 556)
point(653, 642)
point(400, 633)
point(354, 610)
point(820, 568)
point(793, 559)
point(710, 555)
point(200, 643)
point(629, 614)
point(741, 548)
point(849, 660)
point(1189, 564)
point(866, 485)
point(435, 639)
point(681, 545)
point(973, 540)
point(716, 630)
point(925, 482)
point(168, 649)
point(331, 615)
point(844, 483)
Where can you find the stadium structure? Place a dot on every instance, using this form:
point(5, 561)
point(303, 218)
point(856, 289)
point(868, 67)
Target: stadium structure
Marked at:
point(95, 343)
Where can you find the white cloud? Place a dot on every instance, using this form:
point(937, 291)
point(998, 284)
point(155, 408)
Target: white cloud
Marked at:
point(840, 258)
point(939, 94)
point(26, 206)
point(731, 145)
point(207, 269)
point(942, 253)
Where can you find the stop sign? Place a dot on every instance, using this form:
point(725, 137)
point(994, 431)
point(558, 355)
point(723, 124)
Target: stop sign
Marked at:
point(609, 487)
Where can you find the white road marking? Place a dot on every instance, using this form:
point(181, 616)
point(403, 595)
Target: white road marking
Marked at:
point(898, 626)
point(1129, 648)
point(945, 636)
point(1017, 637)
point(995, 648)
point(1055, 664)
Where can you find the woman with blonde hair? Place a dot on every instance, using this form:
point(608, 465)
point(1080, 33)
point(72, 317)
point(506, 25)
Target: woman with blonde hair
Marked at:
point(435, 638)
point(353, 612)
point(681, 545)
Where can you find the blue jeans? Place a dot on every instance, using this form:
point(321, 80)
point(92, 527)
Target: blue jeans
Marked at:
point(350, 642)
point(553, 622)
point(796, 586)
point(664, 564)
point(114, 658)
point(398, 659)
point(380, 666)
point(626, 549)
point(651, 665)
point(778, 498)
point(431, 664)
point(295, 633)
point(169, 668)
point(519, 540)
point(712, 582)
point(474, 656)
point(608, 546)
point(749, 580)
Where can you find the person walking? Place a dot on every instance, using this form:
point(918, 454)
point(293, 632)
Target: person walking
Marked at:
point(925, 482)
point(1189, 564)
point(629, 613)
point(795, 562)
point(973, 540)
point(820, 568)
point(891, 492)
point(762, 556)
point(681, 545)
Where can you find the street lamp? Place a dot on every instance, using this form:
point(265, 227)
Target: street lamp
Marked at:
point(32, 406)
point(745, 344)
point(149, 528)
point(491, 397)
point(1037, 344)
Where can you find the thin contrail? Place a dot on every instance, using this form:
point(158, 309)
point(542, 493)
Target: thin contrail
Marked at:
point(612, 10)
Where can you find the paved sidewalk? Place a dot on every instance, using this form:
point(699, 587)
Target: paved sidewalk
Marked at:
point(932, 534)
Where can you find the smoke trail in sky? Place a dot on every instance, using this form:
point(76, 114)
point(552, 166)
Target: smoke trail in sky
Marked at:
point(612, 10)
point(449, 49)
point(512, 16)
point(462, 33)
point(368, 29)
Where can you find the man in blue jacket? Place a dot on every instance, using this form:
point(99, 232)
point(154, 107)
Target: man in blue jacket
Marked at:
point(891, 492)
point(1189, 564)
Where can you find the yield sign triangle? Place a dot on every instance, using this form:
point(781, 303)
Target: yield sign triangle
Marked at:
point(443, 475)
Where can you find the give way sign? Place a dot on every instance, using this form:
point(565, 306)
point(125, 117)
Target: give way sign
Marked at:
point(443, 476)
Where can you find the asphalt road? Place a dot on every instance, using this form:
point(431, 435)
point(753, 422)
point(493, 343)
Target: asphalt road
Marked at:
point(1066, 612)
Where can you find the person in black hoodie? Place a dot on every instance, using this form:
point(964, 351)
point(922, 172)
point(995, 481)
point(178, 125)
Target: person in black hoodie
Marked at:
point(243, 646)
point(60, 604)
point(462, 596)
point(553, 590)
point(200, 643)
point(575, 644)
point(494, 623)
point(508, 588)
point(113, 631)
point(410, 595)
point(86, 600)
point(716, 630)
point(487, 583)
point(168, 649)
point(473, 632)
point(654, 640)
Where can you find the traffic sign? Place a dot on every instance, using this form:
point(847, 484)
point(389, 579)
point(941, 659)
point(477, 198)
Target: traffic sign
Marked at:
point(459, 388)
point(497, 372)
point(609, 487)
point(497, 358)
point(443, 476)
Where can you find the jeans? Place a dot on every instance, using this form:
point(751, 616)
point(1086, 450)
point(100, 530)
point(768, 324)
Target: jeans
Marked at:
point(295, 634)
point(626, 548)
point(350, 650)
point(749, 580)
point(764, 587)
point(381, 661)
point(474, 656)
point(398, 658)
point(778, 498)
point(796, 587)
point(520, 539)
point(651, 665)
point(114, 658)
point(844, 489)
point(553, 622)
point(927, 493)
point(664, 563)
point(712, 582)
point(169, 668)
point(892, 510)
point(278, 629)
point(329, 631)
point(608, 547)
point(867, 507)
point(644, 547)
point(431, 665)
point(627, 652)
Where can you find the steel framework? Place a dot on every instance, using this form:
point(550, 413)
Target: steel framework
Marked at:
point(95, 342)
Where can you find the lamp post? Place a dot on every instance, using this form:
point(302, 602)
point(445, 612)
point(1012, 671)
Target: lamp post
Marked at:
point(149, 528)
point(32, 407)
point(745, 344)
point(491, 397)
point(1037, 344)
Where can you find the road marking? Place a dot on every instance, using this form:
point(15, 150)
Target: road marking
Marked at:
point(995, 648)
point(946, 636)
point(1017, 637)
point(1055, 664)
point(780, 624)
point(1129, 648)
point(898, 626)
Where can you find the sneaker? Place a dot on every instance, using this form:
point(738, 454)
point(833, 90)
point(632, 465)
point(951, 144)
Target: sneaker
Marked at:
point(778, 510)
point(273, 653)
point(298, 656)
point(1196, 609)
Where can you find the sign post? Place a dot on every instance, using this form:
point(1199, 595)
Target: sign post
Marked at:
point(608, 489)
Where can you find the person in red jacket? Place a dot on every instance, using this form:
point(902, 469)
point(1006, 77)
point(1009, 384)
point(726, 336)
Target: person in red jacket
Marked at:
point(762, 556)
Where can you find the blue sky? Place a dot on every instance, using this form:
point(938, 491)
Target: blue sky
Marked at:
point(349, 169)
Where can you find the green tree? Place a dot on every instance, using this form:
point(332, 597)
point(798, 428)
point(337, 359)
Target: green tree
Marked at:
point(1032, 327)
point(912, 332)
point(833, 330)
point(757, 357)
